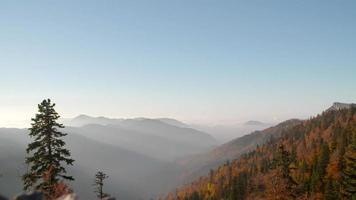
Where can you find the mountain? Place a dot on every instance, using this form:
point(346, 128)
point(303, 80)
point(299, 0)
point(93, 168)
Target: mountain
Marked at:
point(132, 175)
point(199, 165)
point(173, 122)
point(137, 154)
point(82, 120)
point(311, 159)
point(225, 133)
point(340, 106)
point(220, 133)
point(150, 137)
point(254, 123)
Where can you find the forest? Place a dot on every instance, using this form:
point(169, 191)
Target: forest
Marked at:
point(312, 160)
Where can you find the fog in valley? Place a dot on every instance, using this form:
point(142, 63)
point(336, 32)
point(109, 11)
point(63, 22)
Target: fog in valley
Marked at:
point(142, 156)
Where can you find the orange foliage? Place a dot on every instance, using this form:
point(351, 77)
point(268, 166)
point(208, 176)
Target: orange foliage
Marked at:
point(265, 181)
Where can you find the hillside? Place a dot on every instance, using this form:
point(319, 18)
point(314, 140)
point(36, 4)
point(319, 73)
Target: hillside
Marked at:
point(314, 159)
point(199, 165)
point(227, 132)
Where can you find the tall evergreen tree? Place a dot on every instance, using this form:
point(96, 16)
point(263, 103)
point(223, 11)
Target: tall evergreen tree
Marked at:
point(193, 196)
point(46, 154)
point(330, 191)
point(99, 184)
point(284, 160)
point(282, 163)
point(349, 171)
point(319, 168)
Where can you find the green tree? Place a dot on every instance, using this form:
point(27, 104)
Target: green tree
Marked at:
point(239, 186)
point(324, 159)
point(331, 192)
point(319, 168)
point(193, 196)
point(99, 184)
point(282, 162)
point(349, 172)
point(46, 154)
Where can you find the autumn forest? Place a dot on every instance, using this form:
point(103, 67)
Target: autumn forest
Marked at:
point(315, 159)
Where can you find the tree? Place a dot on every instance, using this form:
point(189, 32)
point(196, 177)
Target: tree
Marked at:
point(283, 161)
point(46, 154)
point(282, 183)
point(349, 172)
point(239, 186)
point(278, 187)
point(319, 168)
point(99, 184)
point(331, 192)
point(193, 196)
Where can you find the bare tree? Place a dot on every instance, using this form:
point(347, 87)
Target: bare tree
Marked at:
point(99, 184)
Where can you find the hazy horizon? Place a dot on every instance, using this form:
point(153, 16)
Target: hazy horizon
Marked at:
point(203, 62)
point(25, 123)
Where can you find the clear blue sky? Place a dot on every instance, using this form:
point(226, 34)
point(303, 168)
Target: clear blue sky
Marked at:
point(198, 61)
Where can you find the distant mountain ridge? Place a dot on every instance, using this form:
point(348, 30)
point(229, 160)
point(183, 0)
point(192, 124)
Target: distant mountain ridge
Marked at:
point(254, 123)
point(228, 132)
point(83, 119)
point(165, 139)
point(173, 122)
point(199, 165)
point(221, 133)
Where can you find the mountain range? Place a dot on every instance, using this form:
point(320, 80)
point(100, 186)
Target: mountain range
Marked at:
point(144, 158)
point(130, 172)
point(137, 154)
point(141, 155)
point(164, 139)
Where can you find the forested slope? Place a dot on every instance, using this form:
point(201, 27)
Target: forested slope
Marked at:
point(315, 159)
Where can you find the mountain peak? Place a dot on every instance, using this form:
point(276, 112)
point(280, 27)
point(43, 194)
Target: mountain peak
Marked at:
point(83, 119)
point(82, 116)
point(254, 123)
point(173, 122)
point(340, 106)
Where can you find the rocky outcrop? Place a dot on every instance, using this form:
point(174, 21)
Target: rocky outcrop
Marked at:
point(340, 106)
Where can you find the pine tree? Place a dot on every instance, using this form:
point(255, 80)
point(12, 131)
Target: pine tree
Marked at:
point(331, 192)
point(349, 172)
point(283, 181)
point(319, 168)
point(284, 160)
point(193, 196)
point(324, 159)
point(46, 154)
point(99, 184)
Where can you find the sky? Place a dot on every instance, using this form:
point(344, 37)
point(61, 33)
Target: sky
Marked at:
point(199, 61)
